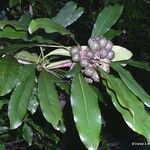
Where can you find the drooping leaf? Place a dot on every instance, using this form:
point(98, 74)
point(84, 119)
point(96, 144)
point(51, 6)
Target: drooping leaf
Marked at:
point(14, 2)
point(15, 24)
point(106, 19)
point(8, 74)
point(27, 134)
point(19, 101)
point(49, 101)
point(129, 102)
point(11, 33)
point(139, 64)
point(121, 53)
point(87, 117)
point(130, 82)
point(111, 34)
point(68, 14)
point(48, 25)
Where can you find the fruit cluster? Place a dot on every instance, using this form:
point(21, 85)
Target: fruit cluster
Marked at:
point(97, 55)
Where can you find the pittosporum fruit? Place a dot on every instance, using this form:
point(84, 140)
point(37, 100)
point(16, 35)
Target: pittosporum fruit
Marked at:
point(84, 62)
point(89, 71)
point(74, 50)
point(76, 57)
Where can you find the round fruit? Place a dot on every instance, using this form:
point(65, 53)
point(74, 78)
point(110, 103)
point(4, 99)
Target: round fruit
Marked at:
point(95, 77)
point(103, 42)
point(105, 67)
point(103, 53)
point(106, 60)
point(76, 57)
point(89, 80)
point(90, 54)
point(74, 50)
point(94, 45)
point(89, 71)
point(110, 55)
point(90, 41)
point(109, 45)
point(84, 62)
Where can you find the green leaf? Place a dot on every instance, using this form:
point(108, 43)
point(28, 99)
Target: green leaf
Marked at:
point(3, 129)
point(15, 24)
point(14, 47)
point(14, 2)
point(48, 25)
point(121, 53)
point(130, 105)
point(2, 147)
point(8, 74)
point(111, 34)
point(106, 19)
point(27, 134)
point(68, 14)
point(130, 82)
point(25, 19)
point(11, 33)
point(19, 101)
point(139, 64)
point(87, 117)
point(60, 82)
point(75, 70)
point(33, 103)
point(49, 101)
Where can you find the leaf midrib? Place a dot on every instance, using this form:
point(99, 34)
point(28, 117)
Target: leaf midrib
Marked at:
point(84, 100)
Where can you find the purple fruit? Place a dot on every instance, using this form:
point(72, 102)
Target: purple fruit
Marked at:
point(84, 62)
point(109, 45)
point(105, 67)
point(103, 42)
point(94, 44)
point(110, 55)
point(74, 50)
point(90, 54)
point(95, 77)
point(89, 71)
point(103, 53)
point(75, 57)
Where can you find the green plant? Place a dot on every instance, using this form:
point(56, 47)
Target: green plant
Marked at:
point(36, 67)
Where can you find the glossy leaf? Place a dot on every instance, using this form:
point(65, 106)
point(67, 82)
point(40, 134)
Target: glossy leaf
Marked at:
point(14, 2)
point(15, 24)
point(68, 14)
point(106, 19)
point(130, 82)
point(129, 102)
point(33, 103)
point(48, 25)
point(8, 74)
point(11, 33)
point(49, 101)
point(121, 53)
point(19, 101)
point(139, 64)
point(87, 117)
point(27, 134)
point(25, 19)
